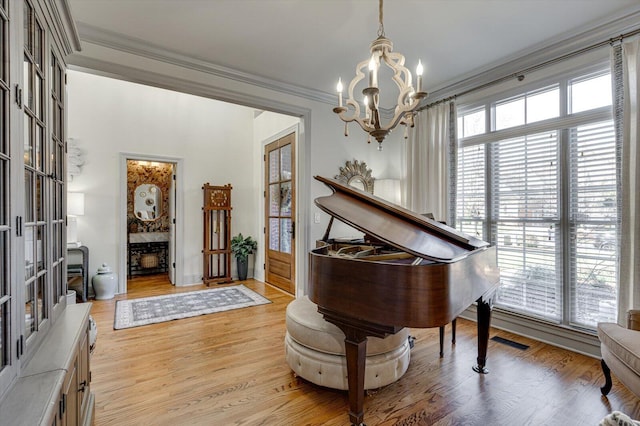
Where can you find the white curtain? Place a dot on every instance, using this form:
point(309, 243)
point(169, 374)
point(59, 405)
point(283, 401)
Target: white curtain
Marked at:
point(426, 181)
point(629, 280)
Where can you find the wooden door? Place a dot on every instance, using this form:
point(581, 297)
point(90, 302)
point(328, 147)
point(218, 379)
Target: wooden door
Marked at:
point(280, 213)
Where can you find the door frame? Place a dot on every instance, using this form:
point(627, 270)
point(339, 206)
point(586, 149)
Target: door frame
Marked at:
point(274, 100)
point(294, 217)
point(301, 238)
point(122, 215)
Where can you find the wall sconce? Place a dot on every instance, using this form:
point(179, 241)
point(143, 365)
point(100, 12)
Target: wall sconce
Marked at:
point(75, 208)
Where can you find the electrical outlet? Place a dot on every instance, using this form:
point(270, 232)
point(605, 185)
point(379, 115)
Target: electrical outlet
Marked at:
point(316, 218)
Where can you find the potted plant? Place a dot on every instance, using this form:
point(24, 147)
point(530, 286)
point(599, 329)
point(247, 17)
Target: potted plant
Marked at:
point(242, 248)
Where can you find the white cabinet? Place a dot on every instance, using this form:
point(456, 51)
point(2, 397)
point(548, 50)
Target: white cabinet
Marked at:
point(76, 403)
point(54, 388)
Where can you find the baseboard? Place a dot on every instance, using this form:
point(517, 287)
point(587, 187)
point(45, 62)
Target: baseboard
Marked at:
point(583, 342)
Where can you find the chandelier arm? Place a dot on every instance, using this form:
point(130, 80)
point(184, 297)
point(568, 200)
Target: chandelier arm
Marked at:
point(402, 76)
point(367, 124)
point(356, 111)
point(364, 125)
point(359, 76)
point(399, 116)
point(395, 58)
point(406, 98)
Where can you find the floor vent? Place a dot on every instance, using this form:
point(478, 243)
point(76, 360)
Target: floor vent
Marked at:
point(510, 343)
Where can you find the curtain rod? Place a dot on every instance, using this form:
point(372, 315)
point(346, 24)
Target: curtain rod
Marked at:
point(520, 74)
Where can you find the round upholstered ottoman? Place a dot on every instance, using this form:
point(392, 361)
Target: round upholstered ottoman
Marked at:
point(314, 349)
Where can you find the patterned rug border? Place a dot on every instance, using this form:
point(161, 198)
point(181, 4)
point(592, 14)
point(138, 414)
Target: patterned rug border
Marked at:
point(123, 315)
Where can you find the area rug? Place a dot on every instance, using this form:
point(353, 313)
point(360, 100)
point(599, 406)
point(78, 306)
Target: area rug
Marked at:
point(151, 310)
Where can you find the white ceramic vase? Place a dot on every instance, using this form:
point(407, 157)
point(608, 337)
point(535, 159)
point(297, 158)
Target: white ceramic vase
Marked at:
point(104, 283)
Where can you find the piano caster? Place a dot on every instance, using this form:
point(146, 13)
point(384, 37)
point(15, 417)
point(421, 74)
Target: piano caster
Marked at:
point(480, 369)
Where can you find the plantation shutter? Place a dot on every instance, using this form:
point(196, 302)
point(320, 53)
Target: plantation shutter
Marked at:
point(593, 223)
point(470, 209)
point(525, 180)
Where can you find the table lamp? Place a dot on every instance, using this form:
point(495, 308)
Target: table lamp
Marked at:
point(75, 208)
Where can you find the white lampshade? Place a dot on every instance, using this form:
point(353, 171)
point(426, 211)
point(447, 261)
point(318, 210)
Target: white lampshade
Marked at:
point(387, 189)
point(75, 203)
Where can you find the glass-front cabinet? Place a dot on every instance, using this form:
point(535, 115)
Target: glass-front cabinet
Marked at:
point(35, 37)
point(7, 370)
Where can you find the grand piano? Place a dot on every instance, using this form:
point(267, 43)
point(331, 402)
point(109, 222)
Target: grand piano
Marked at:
point(407, 271)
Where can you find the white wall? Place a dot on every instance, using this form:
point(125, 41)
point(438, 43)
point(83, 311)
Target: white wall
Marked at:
point(214, 139)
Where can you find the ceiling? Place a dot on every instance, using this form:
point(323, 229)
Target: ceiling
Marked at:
point(310, 43)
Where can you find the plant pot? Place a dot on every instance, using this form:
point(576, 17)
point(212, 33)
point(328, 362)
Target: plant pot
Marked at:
point(243, 268)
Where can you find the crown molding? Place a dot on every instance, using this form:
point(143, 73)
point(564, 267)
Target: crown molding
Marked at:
point(550, 49)
point(537, 54)
point(63, 28)
point(146, 77)
point(113, 40)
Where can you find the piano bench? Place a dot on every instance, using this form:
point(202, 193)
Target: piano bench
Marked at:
point(314, 350)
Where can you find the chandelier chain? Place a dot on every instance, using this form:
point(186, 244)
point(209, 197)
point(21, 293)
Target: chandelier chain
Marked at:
point(380, 20)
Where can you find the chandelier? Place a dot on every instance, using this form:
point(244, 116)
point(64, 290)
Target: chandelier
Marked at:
point(369, 117)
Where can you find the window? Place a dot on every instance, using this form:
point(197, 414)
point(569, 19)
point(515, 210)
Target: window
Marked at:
point(590, 92)
point(472, 123)
point(540, 184)
point(528, 108)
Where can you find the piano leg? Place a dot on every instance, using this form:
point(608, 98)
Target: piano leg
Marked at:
point(356, 352)
point(484, 321)
point(355, 342)
point(453, 336)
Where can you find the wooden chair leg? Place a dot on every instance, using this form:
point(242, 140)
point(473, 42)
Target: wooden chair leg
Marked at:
point(453, 331)
point(607, 377)
point(441, 341)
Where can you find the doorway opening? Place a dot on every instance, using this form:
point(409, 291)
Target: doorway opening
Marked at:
point(149, 210)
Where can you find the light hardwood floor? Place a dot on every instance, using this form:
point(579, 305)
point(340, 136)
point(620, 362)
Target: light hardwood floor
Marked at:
point(229, 369)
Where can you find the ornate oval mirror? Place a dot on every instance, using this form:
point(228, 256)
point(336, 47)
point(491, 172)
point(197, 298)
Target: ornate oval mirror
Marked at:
point(147, 202)
point(357, 175)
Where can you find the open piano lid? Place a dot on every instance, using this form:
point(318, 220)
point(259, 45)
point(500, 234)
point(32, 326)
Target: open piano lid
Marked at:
point(395, 225)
